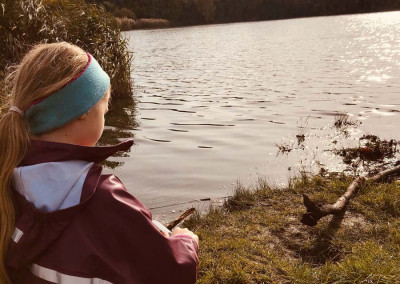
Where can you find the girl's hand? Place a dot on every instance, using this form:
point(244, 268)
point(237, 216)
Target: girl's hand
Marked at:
point(184, 231)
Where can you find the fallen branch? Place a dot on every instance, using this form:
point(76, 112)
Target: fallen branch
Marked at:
point(316, 212)
point(384, 174)
point(180, 218)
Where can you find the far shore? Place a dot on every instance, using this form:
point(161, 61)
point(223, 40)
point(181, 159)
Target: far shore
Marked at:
point(127, 24)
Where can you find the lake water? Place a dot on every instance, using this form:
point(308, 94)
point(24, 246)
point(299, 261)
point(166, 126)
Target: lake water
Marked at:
point(213, 101)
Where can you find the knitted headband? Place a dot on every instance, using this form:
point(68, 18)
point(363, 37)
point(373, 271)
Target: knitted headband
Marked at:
point(70, 102)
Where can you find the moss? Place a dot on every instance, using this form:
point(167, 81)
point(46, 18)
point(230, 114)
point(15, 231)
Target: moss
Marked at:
point(257, 236)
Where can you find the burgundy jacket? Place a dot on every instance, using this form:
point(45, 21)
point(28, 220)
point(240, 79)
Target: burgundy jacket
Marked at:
point(96, 232)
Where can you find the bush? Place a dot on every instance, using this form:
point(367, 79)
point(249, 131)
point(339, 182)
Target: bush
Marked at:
point(24, 23)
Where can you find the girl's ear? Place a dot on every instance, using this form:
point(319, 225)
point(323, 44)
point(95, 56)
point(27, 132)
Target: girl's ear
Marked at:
point(82, 117)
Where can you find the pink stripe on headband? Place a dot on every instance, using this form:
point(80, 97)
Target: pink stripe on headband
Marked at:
point(83, 70)
point(73, 79)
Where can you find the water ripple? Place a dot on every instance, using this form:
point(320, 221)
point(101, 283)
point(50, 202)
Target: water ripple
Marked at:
point(239, 88)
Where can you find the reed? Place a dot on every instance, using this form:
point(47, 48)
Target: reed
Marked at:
point(152, 23)
point(128, 24)
point(125, 24)
point(24, 23)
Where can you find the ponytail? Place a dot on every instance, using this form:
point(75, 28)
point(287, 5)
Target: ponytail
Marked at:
point(45, 69)
point(14, 141)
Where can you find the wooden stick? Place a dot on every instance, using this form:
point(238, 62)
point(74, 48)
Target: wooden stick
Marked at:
point(180, 218)
point(383, 174)
point(316, 212)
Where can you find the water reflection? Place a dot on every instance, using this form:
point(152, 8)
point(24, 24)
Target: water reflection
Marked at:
point(120, 123)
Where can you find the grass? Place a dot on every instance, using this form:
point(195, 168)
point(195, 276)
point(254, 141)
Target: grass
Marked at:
point(257, 236)
point(343, 120)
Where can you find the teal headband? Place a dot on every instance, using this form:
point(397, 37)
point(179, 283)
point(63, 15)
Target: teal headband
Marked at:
point(70, 102)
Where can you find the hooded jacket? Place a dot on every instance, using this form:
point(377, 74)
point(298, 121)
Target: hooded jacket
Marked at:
point(77, 226)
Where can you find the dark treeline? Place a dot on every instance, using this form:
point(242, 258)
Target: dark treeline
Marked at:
point(189, 12)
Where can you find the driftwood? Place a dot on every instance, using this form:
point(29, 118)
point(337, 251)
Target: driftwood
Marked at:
point(316, 212)
point(383, 174)
point(180, 218)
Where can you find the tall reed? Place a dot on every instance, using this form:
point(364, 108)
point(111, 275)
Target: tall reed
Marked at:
point(24, 23)
point(126, 24)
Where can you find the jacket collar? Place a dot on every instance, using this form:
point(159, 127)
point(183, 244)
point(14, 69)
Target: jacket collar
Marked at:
point(44, 152)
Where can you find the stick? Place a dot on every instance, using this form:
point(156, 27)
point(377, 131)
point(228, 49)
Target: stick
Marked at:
point(180, 218)
point(383, 174)
point(316, 212)
point(185, 202)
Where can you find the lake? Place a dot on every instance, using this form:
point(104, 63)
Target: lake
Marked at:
point(214, 101)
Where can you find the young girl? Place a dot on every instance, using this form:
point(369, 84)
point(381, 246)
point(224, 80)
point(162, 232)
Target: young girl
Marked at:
point(62, 221)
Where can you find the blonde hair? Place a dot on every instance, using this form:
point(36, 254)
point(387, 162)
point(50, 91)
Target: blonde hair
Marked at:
point(45, 69)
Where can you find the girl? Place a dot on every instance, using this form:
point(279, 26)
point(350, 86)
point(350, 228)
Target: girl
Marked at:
point(62, 221)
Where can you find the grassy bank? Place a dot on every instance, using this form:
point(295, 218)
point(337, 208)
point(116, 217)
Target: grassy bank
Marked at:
point(257, 236)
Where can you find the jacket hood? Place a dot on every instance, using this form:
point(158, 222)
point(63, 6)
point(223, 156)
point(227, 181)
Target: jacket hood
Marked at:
point(51, 185)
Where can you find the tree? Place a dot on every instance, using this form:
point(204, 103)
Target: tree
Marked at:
point(206, 8)
point(125, 13)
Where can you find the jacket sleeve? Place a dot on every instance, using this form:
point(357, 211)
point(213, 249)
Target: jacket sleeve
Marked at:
point(135, 245)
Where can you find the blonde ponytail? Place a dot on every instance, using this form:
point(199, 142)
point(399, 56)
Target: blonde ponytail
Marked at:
point(45, 69)
point(14, 141)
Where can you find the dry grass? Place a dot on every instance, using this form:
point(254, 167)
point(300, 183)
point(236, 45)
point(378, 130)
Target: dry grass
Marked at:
point(126, 24)
point(152, 23)
point(26, 23)
point(343, 120)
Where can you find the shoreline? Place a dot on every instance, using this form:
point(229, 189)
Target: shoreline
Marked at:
point(172, 25)
point(257, 236)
